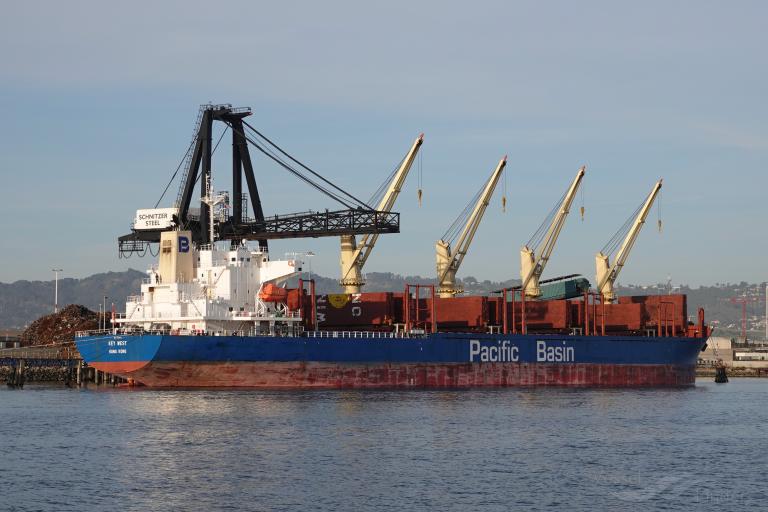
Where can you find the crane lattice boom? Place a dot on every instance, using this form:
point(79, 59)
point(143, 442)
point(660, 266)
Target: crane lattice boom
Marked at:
point(354, 256)
point(531, 265)
point(606, 274)
point(448, 261)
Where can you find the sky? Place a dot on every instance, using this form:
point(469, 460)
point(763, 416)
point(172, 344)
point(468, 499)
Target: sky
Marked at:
point(99, 99)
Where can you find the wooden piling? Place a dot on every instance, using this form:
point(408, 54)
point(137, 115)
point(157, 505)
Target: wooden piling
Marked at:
point(20, 376)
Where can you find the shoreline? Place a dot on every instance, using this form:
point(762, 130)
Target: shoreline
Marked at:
point(62, 375)
point(757, 373)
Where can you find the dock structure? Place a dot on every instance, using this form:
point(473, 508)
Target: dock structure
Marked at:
point(58, 362)
point(9, 341)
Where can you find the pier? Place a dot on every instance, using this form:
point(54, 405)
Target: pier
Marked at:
point(50, 363)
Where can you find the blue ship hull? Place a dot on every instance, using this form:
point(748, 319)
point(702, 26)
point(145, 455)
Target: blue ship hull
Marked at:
point(365, 360)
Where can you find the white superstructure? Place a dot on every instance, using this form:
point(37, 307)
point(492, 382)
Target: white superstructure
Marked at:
point(208, 289)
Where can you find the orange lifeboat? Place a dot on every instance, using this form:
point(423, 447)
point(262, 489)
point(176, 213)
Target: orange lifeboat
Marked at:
point(273, 293)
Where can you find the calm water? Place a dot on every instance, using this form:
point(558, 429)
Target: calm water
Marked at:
point(704, 448)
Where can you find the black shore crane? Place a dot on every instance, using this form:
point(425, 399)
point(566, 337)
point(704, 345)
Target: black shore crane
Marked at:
point(356, 217)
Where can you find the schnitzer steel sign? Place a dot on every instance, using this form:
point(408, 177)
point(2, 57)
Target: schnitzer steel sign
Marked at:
point(156, 218)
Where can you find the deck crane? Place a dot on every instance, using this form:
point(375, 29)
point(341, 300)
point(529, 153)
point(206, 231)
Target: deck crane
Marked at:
point(607, 274)
point(354, 256)
point(543, 242)
point(448, 262)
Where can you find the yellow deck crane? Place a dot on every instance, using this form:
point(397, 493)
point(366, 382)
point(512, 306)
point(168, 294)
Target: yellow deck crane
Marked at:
point(448, 262)
point(543, 242)
point(354, 256)
point(606, 274)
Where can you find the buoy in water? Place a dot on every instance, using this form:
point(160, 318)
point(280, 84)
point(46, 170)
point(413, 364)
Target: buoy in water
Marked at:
point(721, 377)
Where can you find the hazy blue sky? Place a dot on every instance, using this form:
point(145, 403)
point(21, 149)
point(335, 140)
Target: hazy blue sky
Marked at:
point(98, 101)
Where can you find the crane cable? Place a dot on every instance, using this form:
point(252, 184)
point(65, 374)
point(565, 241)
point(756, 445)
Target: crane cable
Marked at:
point(619, 236)
point(270, 154)
point(308, 180)
point(419, 193)
point(658, 211)
point(614, 242)
point(455, 228)
point(183, 159)
point(379, 193)
point(276, 158)
point(173, 177)
point(198, 175)
point(504, 197)
point(541, 232)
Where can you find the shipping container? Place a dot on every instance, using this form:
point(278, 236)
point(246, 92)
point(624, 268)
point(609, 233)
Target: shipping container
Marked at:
point(354, 310)
point(457, 313)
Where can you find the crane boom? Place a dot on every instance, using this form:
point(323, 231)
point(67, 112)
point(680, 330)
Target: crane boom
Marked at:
point(354, 256)
point(606, 274)
point(532, 266)
point(448, 262)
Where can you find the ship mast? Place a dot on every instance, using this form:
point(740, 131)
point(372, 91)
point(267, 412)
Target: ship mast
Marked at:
point(211, 201)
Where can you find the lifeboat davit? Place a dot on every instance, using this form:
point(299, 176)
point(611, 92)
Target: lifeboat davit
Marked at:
point(273, 293)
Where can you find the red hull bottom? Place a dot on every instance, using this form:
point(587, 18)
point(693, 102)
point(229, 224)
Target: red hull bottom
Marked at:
point(294, 375)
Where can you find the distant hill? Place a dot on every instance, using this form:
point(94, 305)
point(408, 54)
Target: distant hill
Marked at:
point(720, 311)
point(22, 302)
point(389, 282)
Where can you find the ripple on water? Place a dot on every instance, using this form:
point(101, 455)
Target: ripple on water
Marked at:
point(573, 449)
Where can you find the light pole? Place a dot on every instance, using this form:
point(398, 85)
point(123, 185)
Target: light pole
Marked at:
point(309, 255)
point(212, 201)
point(104, 313)
point(56, 289)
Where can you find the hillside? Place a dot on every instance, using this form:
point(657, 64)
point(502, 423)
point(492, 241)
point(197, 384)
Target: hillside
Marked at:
point(22, 302)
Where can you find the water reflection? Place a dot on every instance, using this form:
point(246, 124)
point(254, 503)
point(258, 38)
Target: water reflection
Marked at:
point(366, 450)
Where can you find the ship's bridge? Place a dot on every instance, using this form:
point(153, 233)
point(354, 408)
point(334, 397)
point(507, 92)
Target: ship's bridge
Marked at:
point(205, 288)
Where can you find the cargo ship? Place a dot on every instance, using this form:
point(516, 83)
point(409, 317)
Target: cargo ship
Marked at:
point(217, 311)
point(234, 326)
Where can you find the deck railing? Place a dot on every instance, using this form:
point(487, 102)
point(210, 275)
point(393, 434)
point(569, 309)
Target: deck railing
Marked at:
point(361, 334)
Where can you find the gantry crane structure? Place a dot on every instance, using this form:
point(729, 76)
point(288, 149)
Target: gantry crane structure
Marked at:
point(354, 216)
point(606, 274)
point(354, 255)
point(744, 300)
point(449, 256)
point(536, 253)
